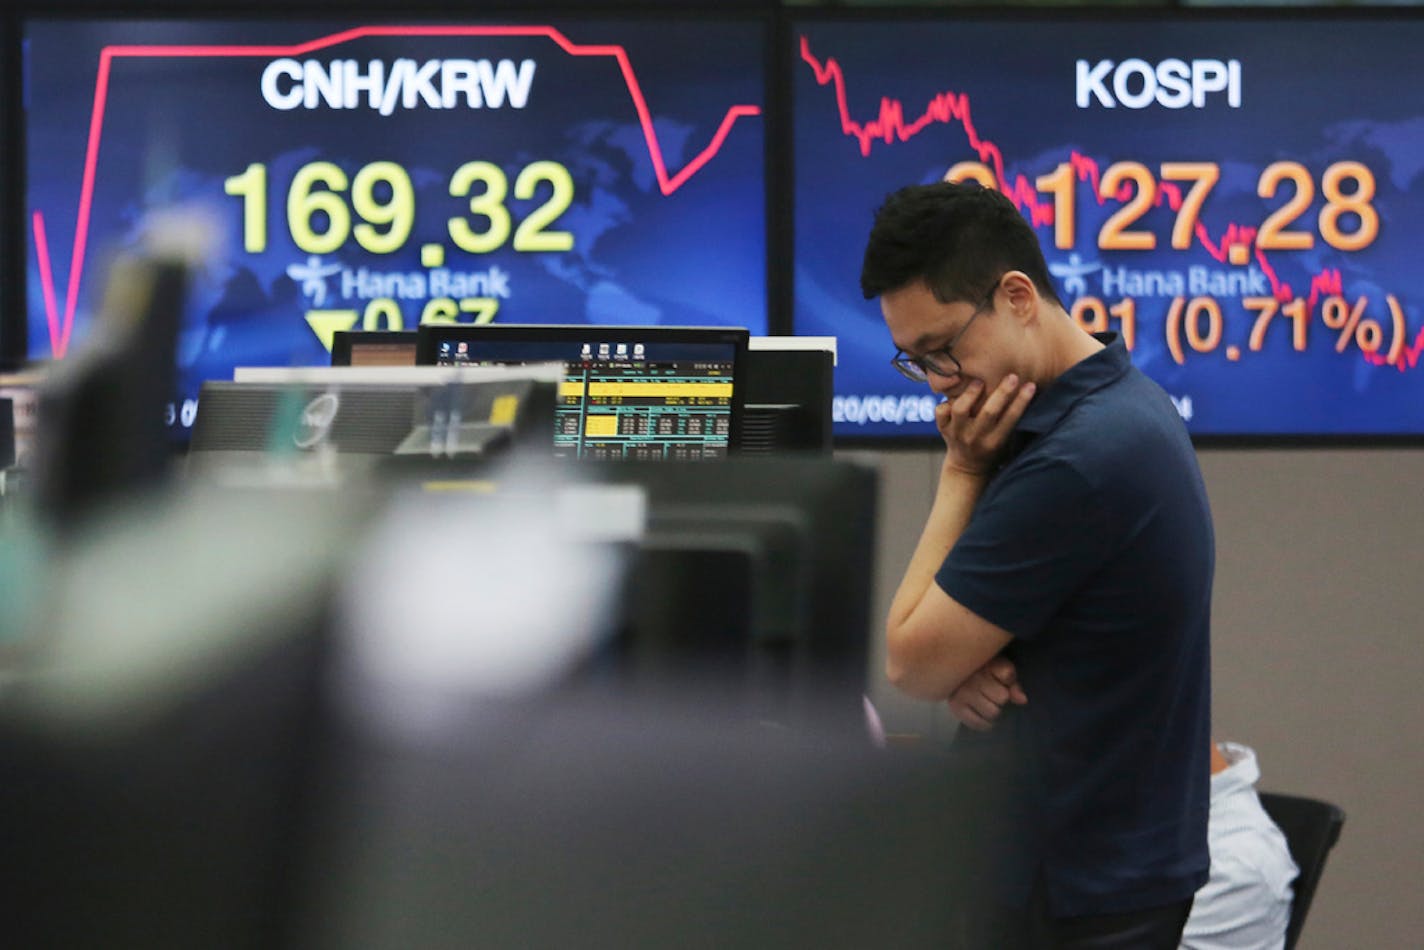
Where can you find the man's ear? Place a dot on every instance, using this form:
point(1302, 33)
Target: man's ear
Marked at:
point(1017, 290)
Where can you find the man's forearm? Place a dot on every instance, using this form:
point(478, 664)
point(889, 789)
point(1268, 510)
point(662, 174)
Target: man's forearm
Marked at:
point(934, 643)
point(955, 497)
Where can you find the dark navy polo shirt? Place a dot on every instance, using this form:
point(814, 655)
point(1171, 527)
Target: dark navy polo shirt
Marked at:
point(1092, 545)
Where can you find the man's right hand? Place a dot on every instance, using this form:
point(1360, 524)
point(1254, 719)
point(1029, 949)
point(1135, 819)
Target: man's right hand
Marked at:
point(975, 427)
point(980, 699)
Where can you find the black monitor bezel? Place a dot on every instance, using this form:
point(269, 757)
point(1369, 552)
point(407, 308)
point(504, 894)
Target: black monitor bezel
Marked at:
point(430, 335)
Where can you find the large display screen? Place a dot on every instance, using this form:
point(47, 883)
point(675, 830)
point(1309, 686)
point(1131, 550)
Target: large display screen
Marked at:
point(383, 175)
point(1240, 197)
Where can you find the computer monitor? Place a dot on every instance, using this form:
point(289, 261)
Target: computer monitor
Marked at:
point(373, 347)
point(790, 383)
point(629, 393)
point(754, 574)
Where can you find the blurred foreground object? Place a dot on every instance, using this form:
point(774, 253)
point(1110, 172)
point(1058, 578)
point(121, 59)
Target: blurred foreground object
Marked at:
point(101, 436)
point(313, 718)
point(155, 746)
point(332, 425)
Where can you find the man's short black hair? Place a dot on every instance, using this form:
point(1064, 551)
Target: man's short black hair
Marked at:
point(958, 237)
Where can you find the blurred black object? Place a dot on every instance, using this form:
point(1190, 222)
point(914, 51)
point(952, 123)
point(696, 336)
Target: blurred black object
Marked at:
point(101, 434)
point(181, 833)
point(757, 568)
point(252, 817)
point(7, 433)
point(589, 820)
point(213, 769)
point(788, 401)
point(156, 745)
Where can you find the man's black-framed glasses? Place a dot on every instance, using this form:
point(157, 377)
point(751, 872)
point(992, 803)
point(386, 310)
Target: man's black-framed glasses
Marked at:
point(941, 360)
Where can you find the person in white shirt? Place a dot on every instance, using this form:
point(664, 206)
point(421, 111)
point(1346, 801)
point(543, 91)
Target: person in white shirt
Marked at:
point(1246, 903)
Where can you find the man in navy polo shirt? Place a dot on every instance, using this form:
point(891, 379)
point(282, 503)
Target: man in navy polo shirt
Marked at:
point(1060, 594)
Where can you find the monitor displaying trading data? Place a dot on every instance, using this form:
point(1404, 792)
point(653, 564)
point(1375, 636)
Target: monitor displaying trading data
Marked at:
point(1240, 197)
point(378, 175)
point(635, 393)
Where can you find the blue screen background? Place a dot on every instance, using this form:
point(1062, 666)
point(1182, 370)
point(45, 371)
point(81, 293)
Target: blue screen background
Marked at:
point(173, 129)
point(1315, 93)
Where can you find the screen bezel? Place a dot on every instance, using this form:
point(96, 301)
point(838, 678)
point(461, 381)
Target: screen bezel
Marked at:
point(432, 334)
point(14, 319)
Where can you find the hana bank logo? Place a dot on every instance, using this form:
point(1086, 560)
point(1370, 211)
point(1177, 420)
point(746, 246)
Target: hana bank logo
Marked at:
point(1072, 274)
point(312, 277)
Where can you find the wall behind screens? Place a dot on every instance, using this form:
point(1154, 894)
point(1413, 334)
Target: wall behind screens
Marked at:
point(1246, 213)
point(369, 173)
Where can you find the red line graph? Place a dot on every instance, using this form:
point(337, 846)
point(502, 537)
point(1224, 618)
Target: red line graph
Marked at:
point(947, 108)
point(667, 182)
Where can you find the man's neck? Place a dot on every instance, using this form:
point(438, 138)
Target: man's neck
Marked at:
point(1071, 344)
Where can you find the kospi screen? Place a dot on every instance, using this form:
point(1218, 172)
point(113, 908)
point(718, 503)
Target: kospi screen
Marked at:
point(1240, 198)
point(381, 175)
